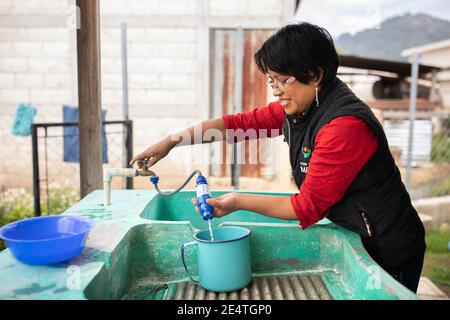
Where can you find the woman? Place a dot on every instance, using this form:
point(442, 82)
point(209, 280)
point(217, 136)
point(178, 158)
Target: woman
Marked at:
point(338, 151)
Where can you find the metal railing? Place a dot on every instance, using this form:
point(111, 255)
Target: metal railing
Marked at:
point(51, 173)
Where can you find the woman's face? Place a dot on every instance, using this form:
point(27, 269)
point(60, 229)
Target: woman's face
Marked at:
point(294, 96)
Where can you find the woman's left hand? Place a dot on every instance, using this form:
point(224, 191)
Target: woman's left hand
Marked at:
point(223, 204)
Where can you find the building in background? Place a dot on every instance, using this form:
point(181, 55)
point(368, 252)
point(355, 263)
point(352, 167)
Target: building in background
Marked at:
point(384, 85)
point(436, 54)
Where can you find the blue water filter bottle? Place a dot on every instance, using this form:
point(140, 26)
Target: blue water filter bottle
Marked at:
point(202, 189)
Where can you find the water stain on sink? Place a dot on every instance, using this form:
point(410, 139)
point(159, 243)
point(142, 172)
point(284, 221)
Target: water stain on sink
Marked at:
point(34, 288)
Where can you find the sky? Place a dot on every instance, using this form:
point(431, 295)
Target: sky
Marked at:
point(340, 16)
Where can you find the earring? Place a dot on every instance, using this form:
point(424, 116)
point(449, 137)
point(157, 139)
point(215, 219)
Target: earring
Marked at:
point(317, 97)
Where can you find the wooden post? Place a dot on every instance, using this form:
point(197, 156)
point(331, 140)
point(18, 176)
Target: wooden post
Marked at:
point(89, 96)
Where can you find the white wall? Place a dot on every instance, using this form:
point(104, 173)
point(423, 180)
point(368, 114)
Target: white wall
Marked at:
point(168, 67)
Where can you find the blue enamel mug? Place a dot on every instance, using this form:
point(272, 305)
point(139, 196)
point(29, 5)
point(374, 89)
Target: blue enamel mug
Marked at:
point(223, 264)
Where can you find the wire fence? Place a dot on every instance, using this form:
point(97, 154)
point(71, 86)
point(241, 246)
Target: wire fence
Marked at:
point(56, 168)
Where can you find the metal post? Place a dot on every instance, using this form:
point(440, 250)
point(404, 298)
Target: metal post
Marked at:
point(412, 117)
point(36, 185)
point(129, 149)
point(433, 92)
point(126, 161)
point(239, 57)
point(216, 148)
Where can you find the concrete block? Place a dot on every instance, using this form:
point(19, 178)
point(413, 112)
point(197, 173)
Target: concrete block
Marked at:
point(38, 7)
point(111, 96)
point(51, 111)
point(114, 8)
point(141, 81)
point(112, 81)
point(137, 97)
point(184, 81)
point(6, 50)
point(8, 34)
point(47, 34)
point(7, 110)
point(29, 80)
point(111, 50)
point(251, 8)
point(438, 208)
point(427, 221)
point(114, 111)
point(136, 34)
point(5, 6)
point(171, 97)
point(56, 50)
point(7, 80)
point(154, 66)
point(111, 65)
point(162, 50)
point(138, 7)
point(427, 290)
point(33, 34)
point(43, 65)
point(227, 8)
point(13, 65)
point(158, 35)
point(56, 96)
point(177, 7)
point(14, 96)
point(183, 97)
point(112, 35)
point(58, 80)
point(28, 49)
point(24, 7)
point(266, 8)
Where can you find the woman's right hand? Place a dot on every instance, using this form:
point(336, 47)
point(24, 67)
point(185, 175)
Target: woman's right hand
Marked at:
point(154, 153)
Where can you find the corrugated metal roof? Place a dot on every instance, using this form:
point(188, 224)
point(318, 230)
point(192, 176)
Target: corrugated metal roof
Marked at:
point(401, 68)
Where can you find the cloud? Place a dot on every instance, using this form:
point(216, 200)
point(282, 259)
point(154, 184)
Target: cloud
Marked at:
point(340, 16)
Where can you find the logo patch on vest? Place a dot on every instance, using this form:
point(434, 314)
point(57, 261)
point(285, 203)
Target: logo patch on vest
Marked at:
point(303, 167)
point(306, 152)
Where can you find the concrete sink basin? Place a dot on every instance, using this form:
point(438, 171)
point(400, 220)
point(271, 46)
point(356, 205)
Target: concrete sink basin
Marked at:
point(134, 253)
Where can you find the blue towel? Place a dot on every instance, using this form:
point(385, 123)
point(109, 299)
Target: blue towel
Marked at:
point(23, 119)
point(71, 144)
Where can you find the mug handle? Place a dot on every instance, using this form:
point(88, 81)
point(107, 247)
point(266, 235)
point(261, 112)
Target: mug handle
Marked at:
point(183, 247)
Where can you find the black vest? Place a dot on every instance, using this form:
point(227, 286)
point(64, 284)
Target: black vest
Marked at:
point(376, 205)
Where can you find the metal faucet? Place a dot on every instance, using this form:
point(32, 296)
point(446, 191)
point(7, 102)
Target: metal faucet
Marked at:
point(143, 169)
point(108, 173)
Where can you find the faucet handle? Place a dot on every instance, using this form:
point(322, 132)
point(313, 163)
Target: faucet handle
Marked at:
point(144, 170)
point(143, 163)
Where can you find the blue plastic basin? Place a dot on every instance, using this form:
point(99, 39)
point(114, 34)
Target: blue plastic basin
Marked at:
point(47, 240)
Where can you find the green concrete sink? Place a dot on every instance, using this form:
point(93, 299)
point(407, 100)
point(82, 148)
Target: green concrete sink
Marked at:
point(134, 253)
point(147, 265)
point(179, 208)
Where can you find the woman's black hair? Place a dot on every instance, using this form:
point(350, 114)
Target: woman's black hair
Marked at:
point(300, 49)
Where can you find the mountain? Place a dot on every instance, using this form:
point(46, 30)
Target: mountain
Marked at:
point(396, 34)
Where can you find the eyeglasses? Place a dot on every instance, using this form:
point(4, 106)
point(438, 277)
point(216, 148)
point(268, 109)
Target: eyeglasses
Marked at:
point(281, 84)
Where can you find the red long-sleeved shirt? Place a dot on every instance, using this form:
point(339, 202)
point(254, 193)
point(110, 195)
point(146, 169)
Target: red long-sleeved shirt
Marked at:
point(341, 150)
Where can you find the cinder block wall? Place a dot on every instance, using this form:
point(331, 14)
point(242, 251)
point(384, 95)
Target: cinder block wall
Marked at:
point(168, 69)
